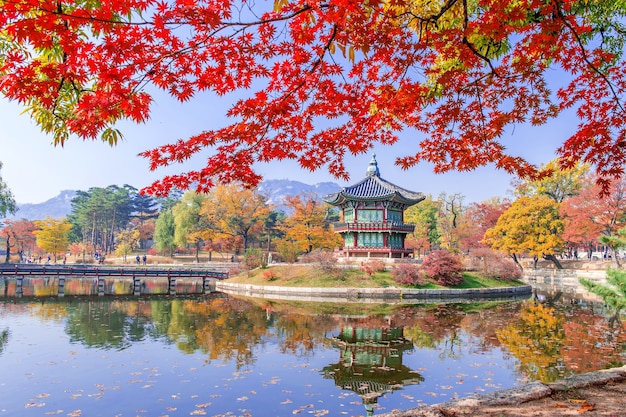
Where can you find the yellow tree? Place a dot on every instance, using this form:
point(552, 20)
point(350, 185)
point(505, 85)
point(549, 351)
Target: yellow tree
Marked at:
point(558, 183)
point(127, 240)
point(308, 226)
point(532, 225)
point(232, 211)
point(53, 235)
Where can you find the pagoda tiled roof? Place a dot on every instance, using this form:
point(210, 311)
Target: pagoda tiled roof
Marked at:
point(374, 188)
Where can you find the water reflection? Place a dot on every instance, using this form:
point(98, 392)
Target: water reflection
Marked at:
point(371, 362)
point(288, 352)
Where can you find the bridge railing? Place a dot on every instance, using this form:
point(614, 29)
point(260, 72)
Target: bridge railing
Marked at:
point(28, 269)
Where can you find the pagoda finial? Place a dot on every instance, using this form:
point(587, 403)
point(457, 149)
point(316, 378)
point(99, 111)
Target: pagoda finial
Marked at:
point(372, 169)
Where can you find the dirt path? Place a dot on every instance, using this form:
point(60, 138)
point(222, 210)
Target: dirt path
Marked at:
point(601, 393)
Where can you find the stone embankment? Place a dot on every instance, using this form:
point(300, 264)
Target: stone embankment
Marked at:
point(375, 295)
point(600, 393)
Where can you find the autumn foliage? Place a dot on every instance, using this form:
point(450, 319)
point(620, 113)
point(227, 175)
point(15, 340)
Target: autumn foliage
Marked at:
point(316, 80)
point(443, 267)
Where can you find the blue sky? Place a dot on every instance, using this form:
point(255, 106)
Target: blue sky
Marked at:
point(35, 170)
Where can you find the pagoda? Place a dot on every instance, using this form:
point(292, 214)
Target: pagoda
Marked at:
point(372, 216)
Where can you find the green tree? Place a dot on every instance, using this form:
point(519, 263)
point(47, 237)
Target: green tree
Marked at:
point(424, 217)
point(7, 201)
point(191, 227)
point(532, 225)
point(613, 294)
point(164, 230)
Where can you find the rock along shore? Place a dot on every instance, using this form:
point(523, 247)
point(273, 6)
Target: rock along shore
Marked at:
point(536, 399)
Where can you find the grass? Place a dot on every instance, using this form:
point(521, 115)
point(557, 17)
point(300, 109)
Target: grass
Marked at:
point(310, 276)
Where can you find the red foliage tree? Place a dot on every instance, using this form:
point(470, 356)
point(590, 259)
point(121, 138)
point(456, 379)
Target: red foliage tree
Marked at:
point(443, 267)
point(19, 237)
point(460, 72)
point(588, 217)
point(480, 217)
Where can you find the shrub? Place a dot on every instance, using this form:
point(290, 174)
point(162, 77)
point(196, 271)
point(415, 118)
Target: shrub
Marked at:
point(254, 258)
point(443, 267)
point(270, 275)
point(324, 260)
point(406, 274)
point(288, 250)
point(494, 265)
point(372, 266)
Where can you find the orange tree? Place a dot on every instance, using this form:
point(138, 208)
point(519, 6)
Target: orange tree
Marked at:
point(307, 227)
point(531, 225)
point(461, 72)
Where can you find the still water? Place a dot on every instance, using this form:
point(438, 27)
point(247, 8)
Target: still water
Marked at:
point(221, 355)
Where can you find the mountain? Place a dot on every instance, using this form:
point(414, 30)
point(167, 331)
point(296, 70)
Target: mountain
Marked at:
point(276, 190)
point(56, 207)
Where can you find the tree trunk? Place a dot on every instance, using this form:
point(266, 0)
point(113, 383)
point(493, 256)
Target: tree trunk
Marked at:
point(554, 260)
point(7, 259)
point(514, 256)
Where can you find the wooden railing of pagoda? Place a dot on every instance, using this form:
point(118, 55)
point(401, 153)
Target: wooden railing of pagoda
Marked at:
point(374, 227)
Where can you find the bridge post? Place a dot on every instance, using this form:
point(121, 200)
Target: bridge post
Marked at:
point(208, 285)
point(100, 286)
point(136, 285)
point(171, 285)
point(19, 282)
point(61, 292)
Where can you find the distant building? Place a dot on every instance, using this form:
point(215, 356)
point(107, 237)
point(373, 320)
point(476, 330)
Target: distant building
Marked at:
point(372, 216)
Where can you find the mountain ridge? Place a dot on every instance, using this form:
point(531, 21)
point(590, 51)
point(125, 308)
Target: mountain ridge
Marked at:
point(275, 190)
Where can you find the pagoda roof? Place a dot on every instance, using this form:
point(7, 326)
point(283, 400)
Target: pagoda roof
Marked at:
point(374, 188)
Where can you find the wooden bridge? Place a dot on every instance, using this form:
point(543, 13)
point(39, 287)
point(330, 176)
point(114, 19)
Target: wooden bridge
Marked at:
point(100, 275)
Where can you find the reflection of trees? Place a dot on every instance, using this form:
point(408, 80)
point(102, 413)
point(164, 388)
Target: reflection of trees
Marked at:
point(4, 339)
point(593, 343)
point(106, 324)
point(537, 340)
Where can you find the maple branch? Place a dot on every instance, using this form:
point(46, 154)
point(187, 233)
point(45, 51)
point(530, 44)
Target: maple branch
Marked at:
point(585, 56)
point(466, 41)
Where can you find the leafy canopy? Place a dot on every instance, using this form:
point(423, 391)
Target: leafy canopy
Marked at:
point(325, 78)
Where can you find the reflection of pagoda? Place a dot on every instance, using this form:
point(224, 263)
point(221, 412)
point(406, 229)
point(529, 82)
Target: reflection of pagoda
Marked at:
point(372, 216)
point(371, 362)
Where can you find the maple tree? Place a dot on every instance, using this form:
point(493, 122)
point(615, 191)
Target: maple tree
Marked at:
point(18, 235)
point(324, 79)
point(531, 225)
point(588, 217)
point(308, 226)
point(235, 212)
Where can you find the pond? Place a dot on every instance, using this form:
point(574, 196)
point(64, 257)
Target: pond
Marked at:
point(220, 355)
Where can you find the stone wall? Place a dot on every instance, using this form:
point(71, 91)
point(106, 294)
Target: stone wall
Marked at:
point(564, 281)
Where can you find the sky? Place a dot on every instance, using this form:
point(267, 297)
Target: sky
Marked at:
point(35, 170)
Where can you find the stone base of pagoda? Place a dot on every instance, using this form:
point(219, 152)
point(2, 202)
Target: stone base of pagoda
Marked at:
point(361, 252)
